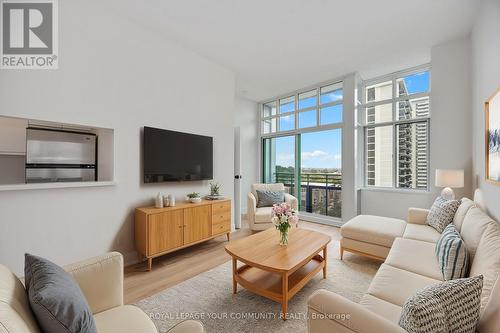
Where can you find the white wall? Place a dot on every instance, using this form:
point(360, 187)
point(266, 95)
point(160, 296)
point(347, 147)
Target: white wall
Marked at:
point(112, 73)
point(450, 131)
point(246, 117)
point(485, 79)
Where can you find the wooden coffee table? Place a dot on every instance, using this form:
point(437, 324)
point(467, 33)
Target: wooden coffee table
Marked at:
point(274, 271)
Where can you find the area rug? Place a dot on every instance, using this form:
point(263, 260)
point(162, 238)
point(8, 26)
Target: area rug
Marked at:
point(208, 298)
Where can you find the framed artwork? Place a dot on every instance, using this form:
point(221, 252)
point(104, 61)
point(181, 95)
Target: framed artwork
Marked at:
point(492, 117)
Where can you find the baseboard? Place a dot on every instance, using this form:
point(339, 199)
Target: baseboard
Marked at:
point(130, 258)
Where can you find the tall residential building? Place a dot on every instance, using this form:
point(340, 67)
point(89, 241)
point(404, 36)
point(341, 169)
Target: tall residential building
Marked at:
point(411, 138)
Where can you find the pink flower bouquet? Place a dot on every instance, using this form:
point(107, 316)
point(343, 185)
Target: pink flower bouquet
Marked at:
point(283, 217)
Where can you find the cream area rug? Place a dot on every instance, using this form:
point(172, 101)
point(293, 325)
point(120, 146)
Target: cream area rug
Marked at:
point(208, 298)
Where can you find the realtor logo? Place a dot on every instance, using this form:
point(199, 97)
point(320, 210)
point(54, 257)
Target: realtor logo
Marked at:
point(29, 34)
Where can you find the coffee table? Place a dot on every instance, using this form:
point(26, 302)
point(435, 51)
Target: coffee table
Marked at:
point(278, 272)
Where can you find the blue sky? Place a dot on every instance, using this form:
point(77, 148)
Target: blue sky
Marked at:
point(323, 149)
point(319, 150)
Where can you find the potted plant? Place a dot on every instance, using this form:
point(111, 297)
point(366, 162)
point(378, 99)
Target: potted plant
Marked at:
point(194, 197)
point(215, 189)
point(283, 217)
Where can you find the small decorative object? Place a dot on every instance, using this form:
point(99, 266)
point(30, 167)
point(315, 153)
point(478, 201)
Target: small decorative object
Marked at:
point(159, 201)
point(171, 200)
point(214, 192)
point(166, 201)
point(194, 197)
point(214, 189)
point(283, 217)
point(492, 163)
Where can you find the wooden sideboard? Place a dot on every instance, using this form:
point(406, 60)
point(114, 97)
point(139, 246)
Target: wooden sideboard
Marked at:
point(162, 230)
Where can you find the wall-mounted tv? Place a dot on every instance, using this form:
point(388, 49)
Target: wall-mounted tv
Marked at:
point(175, 156)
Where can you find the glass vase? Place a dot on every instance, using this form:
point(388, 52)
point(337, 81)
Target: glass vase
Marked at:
point(284, 237)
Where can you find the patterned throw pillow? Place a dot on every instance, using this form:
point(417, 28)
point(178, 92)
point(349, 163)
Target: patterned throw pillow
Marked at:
point(442, 213)
point(450, 306)
point(452, 254)
point(269, 198)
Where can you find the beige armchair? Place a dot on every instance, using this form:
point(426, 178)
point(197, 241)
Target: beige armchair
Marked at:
point(101, 281)
point(260, 218)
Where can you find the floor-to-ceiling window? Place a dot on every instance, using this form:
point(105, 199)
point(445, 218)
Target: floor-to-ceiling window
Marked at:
point(396, 119)
point(301, 138)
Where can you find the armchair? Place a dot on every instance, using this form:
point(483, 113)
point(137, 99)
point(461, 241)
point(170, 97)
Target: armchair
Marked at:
point(259, 218)
point(101, 281)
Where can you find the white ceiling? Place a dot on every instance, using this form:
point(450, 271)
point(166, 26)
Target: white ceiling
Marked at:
point(277, 46)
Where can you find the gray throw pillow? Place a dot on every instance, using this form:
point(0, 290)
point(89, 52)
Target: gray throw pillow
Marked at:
point(55, 298)
point(442, 213)
point(450, 306)
point(269, 198)
point(452, 254)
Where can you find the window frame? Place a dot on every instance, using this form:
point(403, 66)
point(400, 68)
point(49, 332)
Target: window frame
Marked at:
point(364, 105)
point(297, 111)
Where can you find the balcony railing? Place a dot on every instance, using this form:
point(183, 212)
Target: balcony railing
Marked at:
point(321, 193)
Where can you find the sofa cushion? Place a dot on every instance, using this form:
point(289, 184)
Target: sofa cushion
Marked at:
point(473, 227)
point(465, 205)
point(15, 312)
point(396, 285)
point(452, 254)
point(422, 232)
point(373, 229)
point(55, 298)
point(487, 260)
point(269, 198)
point(124, 319)
point(383, 308)
point(442, 213)
point(450, 306)
point(263, 215)
point(414, 256)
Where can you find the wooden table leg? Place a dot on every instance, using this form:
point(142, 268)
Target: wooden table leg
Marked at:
point(325, 256)
point(235, 270)
point(227, 236)
point(150, 264)
point(284, 291)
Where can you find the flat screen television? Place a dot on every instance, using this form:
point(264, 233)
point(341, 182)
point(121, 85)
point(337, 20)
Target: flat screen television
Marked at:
point(175, 156)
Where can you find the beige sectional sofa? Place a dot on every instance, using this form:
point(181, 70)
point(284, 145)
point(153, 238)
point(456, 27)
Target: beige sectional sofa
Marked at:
point(411, 265)
point(101, 281)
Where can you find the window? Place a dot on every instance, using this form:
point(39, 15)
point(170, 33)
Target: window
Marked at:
point(396, 112)
point(319, 107)
point(302, 148)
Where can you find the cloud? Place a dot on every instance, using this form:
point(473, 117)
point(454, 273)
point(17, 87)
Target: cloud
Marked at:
point(307, 155)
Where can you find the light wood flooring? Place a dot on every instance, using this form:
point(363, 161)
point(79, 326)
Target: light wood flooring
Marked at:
point(184, 264)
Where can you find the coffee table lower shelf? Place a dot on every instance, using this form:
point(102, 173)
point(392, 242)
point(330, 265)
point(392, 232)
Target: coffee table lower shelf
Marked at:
point(279, 287)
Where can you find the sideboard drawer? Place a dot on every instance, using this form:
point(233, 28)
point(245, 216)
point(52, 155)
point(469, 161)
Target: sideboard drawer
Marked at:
point(221, 207)
point(221, 217)
point(220, 228)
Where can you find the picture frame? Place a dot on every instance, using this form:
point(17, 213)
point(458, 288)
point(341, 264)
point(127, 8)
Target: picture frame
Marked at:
point(492, 138)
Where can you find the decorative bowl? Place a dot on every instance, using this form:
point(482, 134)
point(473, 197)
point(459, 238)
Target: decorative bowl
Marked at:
point(195, 200)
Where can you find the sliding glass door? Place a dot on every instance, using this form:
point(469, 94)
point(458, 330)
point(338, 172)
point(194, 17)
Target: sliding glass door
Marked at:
point(321, 173)
point(318, 156)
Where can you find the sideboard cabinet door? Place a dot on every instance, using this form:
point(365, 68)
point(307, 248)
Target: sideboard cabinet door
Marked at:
point(197, 223)
point(165, 231)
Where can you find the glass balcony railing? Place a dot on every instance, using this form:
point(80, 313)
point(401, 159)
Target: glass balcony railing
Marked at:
point(320, 193)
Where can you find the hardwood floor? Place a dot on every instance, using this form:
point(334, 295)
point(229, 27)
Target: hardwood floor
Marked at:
point(184, 264)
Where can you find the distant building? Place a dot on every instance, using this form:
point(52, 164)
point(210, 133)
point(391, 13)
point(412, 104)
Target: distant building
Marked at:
point(411, 139)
